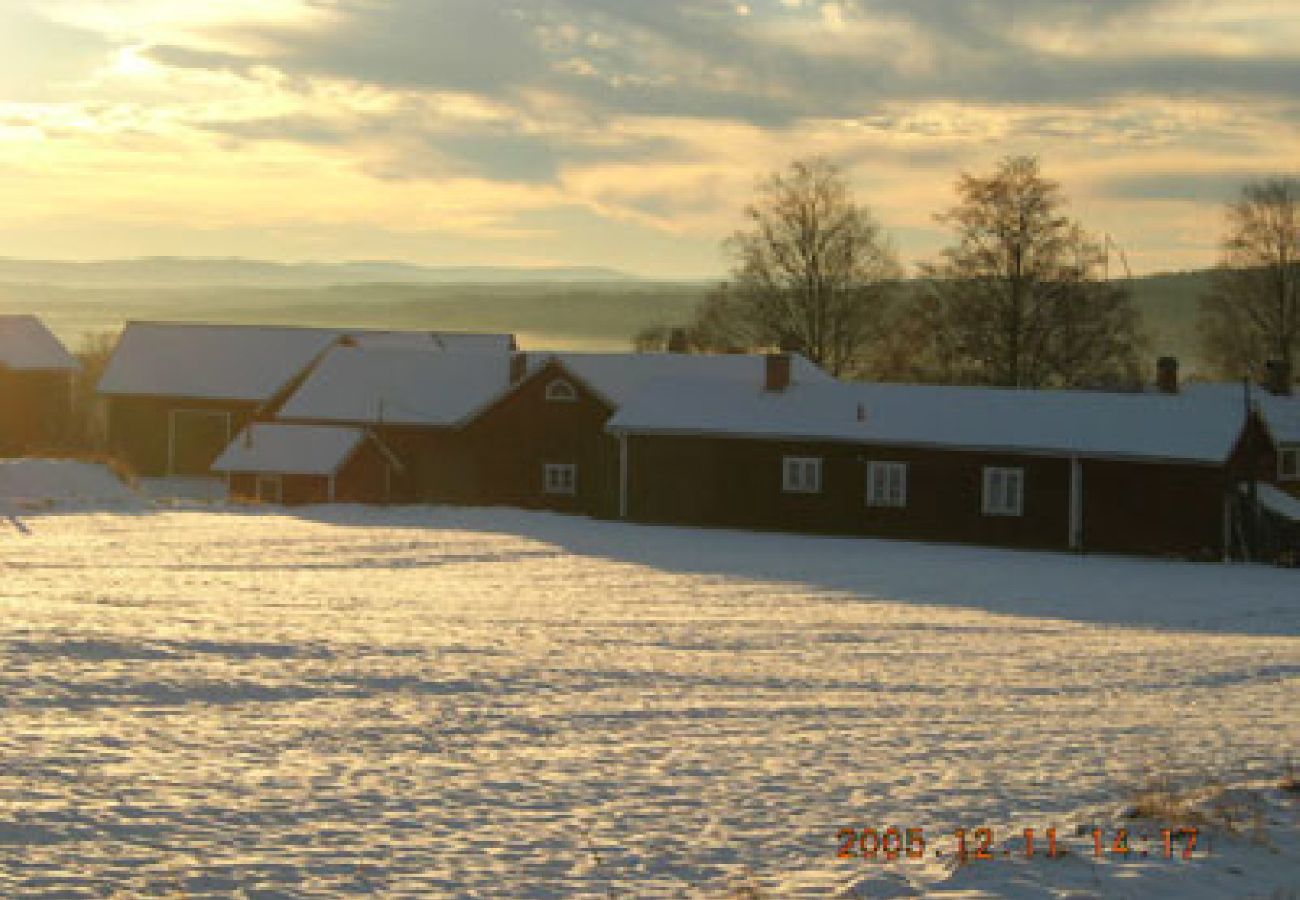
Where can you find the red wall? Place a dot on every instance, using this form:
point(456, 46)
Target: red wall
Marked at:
point(511, 443)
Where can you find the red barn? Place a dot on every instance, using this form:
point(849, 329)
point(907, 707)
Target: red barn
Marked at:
point(417, 401)
point(178, 393)
point(36, 379)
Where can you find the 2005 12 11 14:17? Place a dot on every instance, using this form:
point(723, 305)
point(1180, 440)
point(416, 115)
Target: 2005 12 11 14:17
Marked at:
point(894, 843)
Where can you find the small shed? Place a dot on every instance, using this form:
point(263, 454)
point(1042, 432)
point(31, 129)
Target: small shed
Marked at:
point(36, 378)
point(293, 464)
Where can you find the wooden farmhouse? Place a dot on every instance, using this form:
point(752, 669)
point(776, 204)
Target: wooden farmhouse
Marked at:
point(36, 380)
point(1146, 473)
point(544, 445)
point(178, 393)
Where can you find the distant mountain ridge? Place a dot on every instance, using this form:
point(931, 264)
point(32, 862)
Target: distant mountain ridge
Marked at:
point(176, 271)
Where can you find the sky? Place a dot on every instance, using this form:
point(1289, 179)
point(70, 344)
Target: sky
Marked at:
point(620, 133)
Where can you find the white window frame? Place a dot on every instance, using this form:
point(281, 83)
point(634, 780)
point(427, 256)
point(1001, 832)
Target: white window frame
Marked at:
point(560, 479)
point(801, 475)
point(887, 484)
point(1289, 472)
point(998, 497)
point(276, 481)
point(561, 390)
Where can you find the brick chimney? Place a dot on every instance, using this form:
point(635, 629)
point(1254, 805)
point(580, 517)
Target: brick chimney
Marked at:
point(1167, 374)
point(777, 372)
point(677, 341)
point(518, 367)
point(1279, 377)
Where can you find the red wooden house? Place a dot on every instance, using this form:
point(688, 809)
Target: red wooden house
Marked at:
point(36, 380)
point(1148, 473)
point(543, 444)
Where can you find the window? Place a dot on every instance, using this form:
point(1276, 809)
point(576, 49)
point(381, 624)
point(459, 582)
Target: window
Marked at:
point(561, 391)
point(802, 475)
point(560, 478)
point(1288, 464)
point(1004, 492)
point(886, 484)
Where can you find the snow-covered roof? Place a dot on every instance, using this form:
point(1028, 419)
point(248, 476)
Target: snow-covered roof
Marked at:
point(1082, 423)
point(241, 362)
point(617, 377)
point(27, 345)
point(1280, 413)
point(1278, 501)
point(399, 386)
point(290, 449)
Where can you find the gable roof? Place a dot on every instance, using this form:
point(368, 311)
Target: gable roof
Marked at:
point(1078, 423)
point(241, 362)
point(617, 377)
point(399, 386)
point(27, 345)
point(1280, 413)
point(290, 449)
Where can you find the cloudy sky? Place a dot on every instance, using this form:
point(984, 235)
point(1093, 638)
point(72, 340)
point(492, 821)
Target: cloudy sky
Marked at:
point(623, 133)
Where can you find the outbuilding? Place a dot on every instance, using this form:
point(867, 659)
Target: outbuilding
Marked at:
point(293, 464)
point(36, 381)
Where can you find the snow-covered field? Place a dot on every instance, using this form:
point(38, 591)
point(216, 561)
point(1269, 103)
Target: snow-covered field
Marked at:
point(497, 704)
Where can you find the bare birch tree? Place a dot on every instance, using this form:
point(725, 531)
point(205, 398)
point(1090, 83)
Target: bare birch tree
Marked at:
point(1018, 299)
point(1252, 312)
point(812, 271)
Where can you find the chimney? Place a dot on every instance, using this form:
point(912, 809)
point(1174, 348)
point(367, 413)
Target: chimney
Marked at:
point(777, 372)
point(1167, 374)
point(1279, 377)
point(518, 367)
point(677, 341)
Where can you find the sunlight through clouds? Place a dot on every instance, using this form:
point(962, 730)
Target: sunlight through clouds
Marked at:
point(491, 119)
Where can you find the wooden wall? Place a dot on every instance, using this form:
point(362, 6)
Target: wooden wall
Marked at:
point(1128, 507)
point(512, 441)
point(35, 409)
point(138, 433)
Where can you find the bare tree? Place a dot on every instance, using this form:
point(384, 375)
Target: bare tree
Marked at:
point(812, 271)
point(1018, 300)
point(1252, 312)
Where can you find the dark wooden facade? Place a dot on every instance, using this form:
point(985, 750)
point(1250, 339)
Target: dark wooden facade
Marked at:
point(512, 442)
point(1109, 505)
point(35, 409)
point(368, 476)
point(159, 436)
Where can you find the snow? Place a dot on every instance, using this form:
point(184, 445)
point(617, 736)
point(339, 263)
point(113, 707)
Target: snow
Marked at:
point(42, 483)
point(290, 449)
point(27, 345)
point(617, 377)
point(1282, 413)
point(1083, 423)
point(1279, 501)
point(430, 702)
point(399, 386)
point(240, 362)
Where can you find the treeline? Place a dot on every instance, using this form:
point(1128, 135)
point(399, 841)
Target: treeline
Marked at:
point(1020, 296)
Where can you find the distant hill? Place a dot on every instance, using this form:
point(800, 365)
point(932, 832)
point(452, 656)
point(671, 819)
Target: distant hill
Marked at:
point(170, 271)
point(592, 314)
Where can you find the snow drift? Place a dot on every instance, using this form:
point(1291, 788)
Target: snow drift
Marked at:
point(35, 484)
